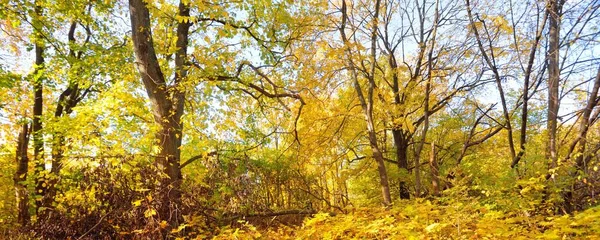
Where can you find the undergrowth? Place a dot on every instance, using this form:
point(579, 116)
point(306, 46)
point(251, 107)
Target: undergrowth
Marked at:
point(425, 219)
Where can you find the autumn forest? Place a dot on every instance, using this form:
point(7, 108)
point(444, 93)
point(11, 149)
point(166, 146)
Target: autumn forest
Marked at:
point(299, 119)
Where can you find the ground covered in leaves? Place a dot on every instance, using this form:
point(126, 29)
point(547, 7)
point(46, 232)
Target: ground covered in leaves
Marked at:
point(424, 219)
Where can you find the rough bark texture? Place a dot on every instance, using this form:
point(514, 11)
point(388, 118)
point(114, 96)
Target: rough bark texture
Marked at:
point(38, 141)
point(22, 195)
point(553, 78)
point(401, 144)
point(167, 101)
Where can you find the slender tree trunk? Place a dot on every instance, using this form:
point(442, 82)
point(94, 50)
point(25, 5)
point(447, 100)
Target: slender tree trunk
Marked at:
point(22, 195)
point(52, 180)
point(420, 148)
point(580, 142)
point(58, 144)
point(426, 102)
point(38, 141)
point(524, 112)
point(554, 10)
point(383, 178)
point(491, 63)
point(584, 126)
point(367, 102)
point(435, 171)
point(553, 55)
point(67, 100)
point(377, 154)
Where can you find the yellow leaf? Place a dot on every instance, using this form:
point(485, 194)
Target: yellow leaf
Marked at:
point(163, 224)
point(137, 203)
point(181, 227)
point(150, 212)
point(431, 227)
point(155, 149)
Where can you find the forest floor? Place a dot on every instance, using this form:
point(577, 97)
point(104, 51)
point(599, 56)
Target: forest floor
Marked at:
point(422, 219)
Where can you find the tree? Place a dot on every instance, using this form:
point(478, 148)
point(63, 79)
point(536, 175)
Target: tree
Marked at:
point(255, 110)
point(167, 100)
point(22, 160)
point(367, 102)
point(38, 89)
point(554, 8)
point(490, 60)
point(527, 82)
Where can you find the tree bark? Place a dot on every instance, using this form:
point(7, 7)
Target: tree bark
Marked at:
point(22, 195)
point(38, 141)
point(67, 100)
point(584, 126)
point(400, 137)
point(401, 144)
point(554, 12)
point(426, 102)
point(435, 171)
point(581, 141)
point(167, 101)
point(377, 154)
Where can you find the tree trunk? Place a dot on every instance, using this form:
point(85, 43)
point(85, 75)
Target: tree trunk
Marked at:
point(554, 13)
point(524, 110)
point(383, 178)
point(169, 157)
point(22, 195)
point(38, 141)
point(585, 124)
point(400, 141)
point(377, 154)
point(167, 101)
point(401, 144)
point(426, 111)
point(435, 171)
point(67, 100)
point(491, 63)
point(367, 102)
point(553, 78)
